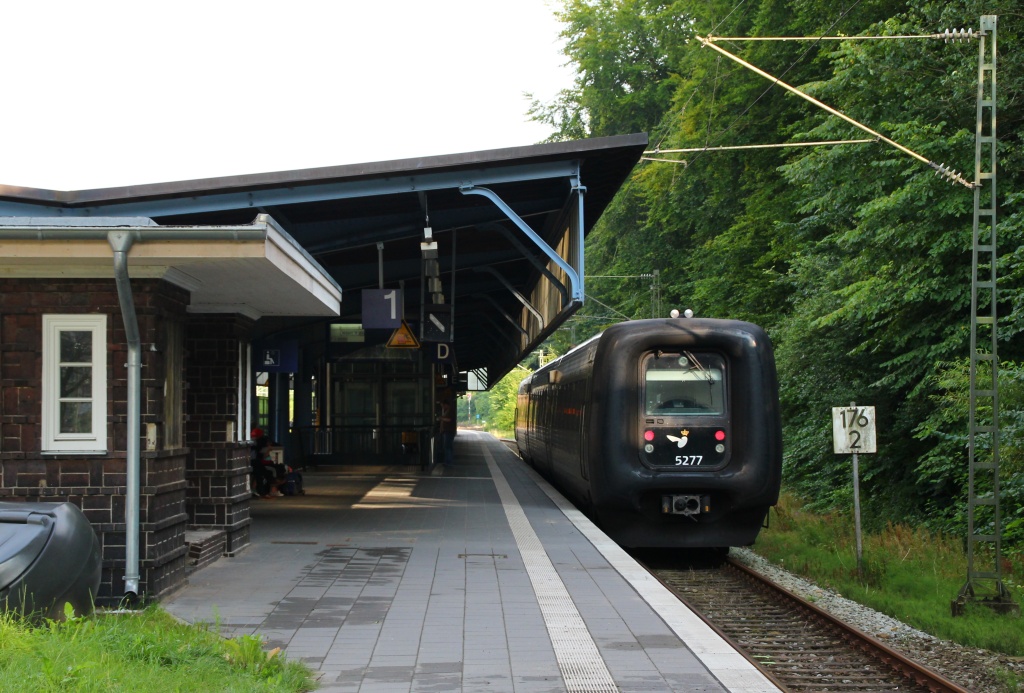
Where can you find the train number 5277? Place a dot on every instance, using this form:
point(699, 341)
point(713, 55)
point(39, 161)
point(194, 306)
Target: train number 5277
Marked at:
point(689, 460)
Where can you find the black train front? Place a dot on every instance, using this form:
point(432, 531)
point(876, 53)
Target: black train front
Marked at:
point(666, 431)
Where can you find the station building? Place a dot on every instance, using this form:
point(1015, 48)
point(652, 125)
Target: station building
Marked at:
point(145, 330)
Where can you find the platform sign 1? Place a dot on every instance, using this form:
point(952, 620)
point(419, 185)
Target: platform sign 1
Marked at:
point(382, 309)
point(853, 430)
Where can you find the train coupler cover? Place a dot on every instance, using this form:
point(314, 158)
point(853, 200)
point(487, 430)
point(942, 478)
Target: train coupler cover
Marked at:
point(685, 504)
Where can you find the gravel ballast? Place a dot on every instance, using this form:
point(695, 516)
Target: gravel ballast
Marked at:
point(973, 669)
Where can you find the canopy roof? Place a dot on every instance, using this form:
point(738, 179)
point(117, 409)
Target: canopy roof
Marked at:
point(488, 264)
point(253, 269)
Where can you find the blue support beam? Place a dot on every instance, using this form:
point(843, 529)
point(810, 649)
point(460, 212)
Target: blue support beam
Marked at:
point(575, 278)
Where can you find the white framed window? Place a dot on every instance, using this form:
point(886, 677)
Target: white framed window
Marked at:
point(74, 383)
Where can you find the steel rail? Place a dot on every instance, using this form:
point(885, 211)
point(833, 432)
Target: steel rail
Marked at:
point(901, 663)
point(856, 639)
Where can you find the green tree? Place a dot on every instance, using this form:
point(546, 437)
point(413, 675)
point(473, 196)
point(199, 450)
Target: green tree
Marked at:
point(855, 257)
point(882, 287)
point(503, 401)
point(625, 52)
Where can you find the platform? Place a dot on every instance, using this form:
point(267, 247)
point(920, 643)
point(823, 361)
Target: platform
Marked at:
point(476, 577)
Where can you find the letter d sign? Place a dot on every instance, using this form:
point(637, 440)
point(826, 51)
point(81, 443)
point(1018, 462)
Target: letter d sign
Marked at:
point(443, 353)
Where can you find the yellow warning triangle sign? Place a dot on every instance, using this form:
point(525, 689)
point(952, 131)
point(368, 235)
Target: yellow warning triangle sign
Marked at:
point(403, 338)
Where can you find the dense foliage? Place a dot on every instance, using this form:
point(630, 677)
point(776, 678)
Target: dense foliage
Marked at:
point(855, 257)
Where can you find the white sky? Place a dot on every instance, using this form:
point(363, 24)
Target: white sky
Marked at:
point(110, 92)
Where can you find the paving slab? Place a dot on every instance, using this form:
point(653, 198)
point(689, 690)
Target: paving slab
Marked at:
point(473, 577)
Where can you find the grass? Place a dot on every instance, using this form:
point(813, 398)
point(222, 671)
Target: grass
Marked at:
point(909, 574)
point(142, 651)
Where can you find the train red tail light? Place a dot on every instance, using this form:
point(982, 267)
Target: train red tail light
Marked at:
point(648, 436)
point(719, 435)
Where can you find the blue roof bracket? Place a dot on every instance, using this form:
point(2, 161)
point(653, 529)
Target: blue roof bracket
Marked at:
point(580, 190)
point(575, 278)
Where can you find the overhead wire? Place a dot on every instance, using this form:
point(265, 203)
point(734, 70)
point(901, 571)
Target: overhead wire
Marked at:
point(941, 169)
point(734, 8)
point(588, 296)
point(783, 145)
point(768, 146)
point(696, 88)
point(711, 107)
point(799, 59)
point(948, 35)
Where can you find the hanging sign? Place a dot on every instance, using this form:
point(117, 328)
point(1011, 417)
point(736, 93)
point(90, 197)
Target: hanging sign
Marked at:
point(442, 352)
point(276, 357)
point(382, 309)
point(403, 338)
point(437, 324)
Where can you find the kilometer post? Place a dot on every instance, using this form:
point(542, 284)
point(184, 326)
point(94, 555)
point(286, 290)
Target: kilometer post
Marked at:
point(853, 432)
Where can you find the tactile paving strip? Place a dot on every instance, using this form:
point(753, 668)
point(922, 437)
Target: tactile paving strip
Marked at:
point(581, 664)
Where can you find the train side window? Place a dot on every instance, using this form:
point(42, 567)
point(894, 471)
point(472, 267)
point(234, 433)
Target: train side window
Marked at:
point(687, 383)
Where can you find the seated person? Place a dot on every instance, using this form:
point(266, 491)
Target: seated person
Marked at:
point(266, 476)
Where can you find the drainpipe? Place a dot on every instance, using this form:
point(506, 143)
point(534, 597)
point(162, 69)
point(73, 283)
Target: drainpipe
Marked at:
point(121, 242)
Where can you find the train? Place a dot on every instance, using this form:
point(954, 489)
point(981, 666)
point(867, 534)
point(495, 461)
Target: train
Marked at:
point(666, 432)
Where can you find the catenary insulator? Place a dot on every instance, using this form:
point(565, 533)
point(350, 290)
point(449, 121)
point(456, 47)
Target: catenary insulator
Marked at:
point(956, 35)
point(951, 175)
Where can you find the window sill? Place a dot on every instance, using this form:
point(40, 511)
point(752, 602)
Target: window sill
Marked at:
point(75, 453)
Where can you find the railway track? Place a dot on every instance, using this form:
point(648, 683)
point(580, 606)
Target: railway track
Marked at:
point(800, 647)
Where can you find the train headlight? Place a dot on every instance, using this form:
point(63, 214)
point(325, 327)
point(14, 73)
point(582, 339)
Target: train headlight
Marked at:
point(719, 448)
point(648, 448)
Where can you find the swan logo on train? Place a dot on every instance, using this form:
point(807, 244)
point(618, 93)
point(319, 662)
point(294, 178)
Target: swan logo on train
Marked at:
point(681, 442)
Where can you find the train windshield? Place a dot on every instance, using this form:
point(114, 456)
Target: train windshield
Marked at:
point(688, 383)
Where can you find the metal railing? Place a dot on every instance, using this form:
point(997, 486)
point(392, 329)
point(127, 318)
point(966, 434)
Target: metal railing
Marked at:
point(397, 443)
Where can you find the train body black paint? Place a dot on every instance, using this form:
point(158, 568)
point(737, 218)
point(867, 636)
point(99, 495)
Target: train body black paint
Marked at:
point(666, 431)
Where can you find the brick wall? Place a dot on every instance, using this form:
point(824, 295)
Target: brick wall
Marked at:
point(96, 483)
point(218, 466)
